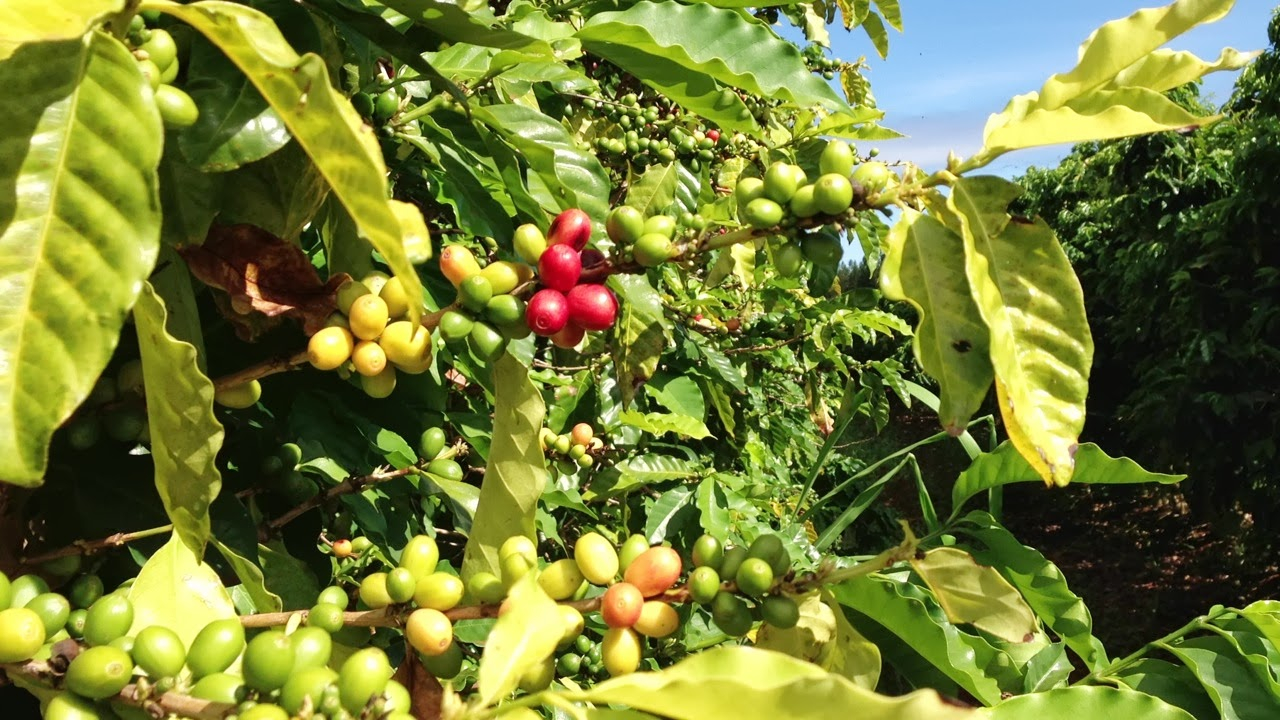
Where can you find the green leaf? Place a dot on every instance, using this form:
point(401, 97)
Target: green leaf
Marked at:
point(1006, 465)
point(172, 282)
point(891, 12)
point(575, 176)
point(753, 684)
point(343, 148)
point(1048, 669)
point(641, 335)
point(523, 637)
point(713, 508)
point(1041, 583)
point(185, 436)
point(1234, 688)
point(1075, 703)
point(659, 519)
point(655, 189)
point(280, 194)
point(1031, 301)
point(711, 41)
point(189, 200)
point(1174, 684)
point(923, 267)
point(252, 579)
point(825, 638)
point(456, 25)
point(79, 230)
point(966, 659)
point(873, 26)
point(680, 395)
point(1115, 88)
point(176, 590)
point(516, 474)
point(236, 126)
point(643, 469)
point(719, 363)
point(976, 594)
point(288, 577)
point(663, 423)
point(25, 21)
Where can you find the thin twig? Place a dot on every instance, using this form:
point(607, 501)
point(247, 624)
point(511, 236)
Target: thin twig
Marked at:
point(171, 703)
point(89, 547)
point(350, 485)
point(764, 348)
point(261, 370)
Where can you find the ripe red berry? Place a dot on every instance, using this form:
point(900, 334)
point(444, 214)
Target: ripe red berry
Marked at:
point(547, 312)
point(713, 135)
point(592, 306)
point(697, 317)
point(569, 336)
point(571, 227)
point(560, 267)
point(591, 257)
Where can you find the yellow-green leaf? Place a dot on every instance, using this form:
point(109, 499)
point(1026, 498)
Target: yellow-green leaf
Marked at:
point(924, 266)
point(175, 589)
point(185, 436)
point(24, 21)
point(1031, 302)
point(976, 594)
point(752, 684)
point(1167, 69)
point(79, 230)
point(825, 638)
point(516, 474)
point(525, 636)
point(299, 89)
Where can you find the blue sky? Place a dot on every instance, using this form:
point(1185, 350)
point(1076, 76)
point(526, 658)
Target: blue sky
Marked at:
point(956, 63)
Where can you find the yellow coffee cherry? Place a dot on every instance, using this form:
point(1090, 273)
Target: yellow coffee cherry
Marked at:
point(657, 619)
point(368, 358)
point(380, 385)
point(407, 348)
point(368, 317)
point(397, 299)
point(561, 579)
point(329, 348)
point(621, 651)
point(439, 591)
point(429, 631)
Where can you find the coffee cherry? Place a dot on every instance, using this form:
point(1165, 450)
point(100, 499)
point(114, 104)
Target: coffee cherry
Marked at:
point(362, 676)
point(348, 292)
point(109, 618)
point(99, 672)
point(53, 609)
point(326, 617)
point(308, 684)
point(381, 385)
point(872, 176)
point(581, 434)
point(592, 306)
point(447, 665)
point(631, 549)
point(408, 349)
point(503, 310)
point(486, 342)
point(475, 292)
point(457, 263)
point(561, 579)
point(432, 443)
point(748, 189)
point(486, 588)
point(218, 687)
point(368, 317)
point(754, 577)
point(215, 647)
point(596, 558)
point(454, 326)
point(373, 591)
point(529, 243)
point(733, 557)
point(559, 268)
point(159, 651)
point(657, 620)
point(780, 182)
point(822, 248)
point(268, 661)
point(368, 358)
point(329, 348)
point(621, 604)
point(446, 468)
point(625, 225)
point(704, 584)
point(429, 631)
point(654, 571)
point(652, 249)
point(664, 225)
point(707, 552)
point(569, 336)
point(762, 213)
point(22, 634)
point(547, 312)
point(571, 227)
point(780, 611)
point(177, 109)
point(769, 547)
point(833, 193)
point(836, 157)
point(621, 651)
point(438, 591)
point(804, 203)
point(239, 397)
point(787, 259)
point(731, 614)
point(83, 592)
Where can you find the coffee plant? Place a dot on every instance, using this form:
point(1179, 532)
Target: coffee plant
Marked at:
point(282, 436)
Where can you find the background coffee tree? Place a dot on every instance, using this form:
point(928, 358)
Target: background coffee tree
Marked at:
point(191, 191)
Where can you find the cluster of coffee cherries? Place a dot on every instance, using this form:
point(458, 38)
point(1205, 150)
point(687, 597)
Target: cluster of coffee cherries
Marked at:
point(368, 336)
point(817, 61)
point(115, 407)
point(94, 655)
point(565, 309)
point(574, 446)
point(649, 241)
point(487, 314)
point(157, 54)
